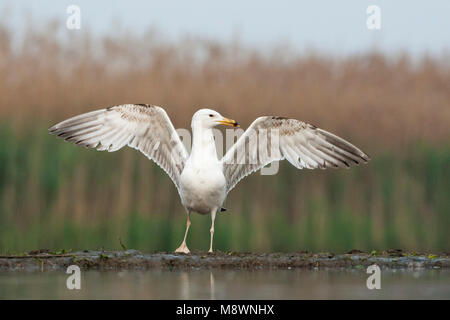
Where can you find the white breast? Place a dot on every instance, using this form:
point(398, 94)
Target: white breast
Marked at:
point(203, 186)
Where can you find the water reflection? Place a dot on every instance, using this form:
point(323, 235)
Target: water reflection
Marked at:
point(212, 287)
point(227, 284)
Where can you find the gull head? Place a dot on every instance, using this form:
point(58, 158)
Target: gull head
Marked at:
point(207, 118)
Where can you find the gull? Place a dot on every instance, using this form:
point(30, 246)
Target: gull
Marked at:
point(201, 178)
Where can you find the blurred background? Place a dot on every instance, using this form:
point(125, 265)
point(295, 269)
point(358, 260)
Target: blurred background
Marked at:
point(387, 91)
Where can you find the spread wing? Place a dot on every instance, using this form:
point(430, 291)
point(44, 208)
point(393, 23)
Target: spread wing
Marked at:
point(144, 127)
point(270, 139)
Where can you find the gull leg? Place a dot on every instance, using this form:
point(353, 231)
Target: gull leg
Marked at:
point(213, 217)
point(183, 247)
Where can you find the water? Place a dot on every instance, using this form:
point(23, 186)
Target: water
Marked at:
point(228, 284)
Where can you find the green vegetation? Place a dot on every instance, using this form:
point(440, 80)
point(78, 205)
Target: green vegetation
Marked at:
point(56, 195)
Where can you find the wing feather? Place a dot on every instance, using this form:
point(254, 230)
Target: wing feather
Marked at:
point(143, 127)
point(302, 144)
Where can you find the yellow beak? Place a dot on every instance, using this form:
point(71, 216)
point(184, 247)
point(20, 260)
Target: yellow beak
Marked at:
point(229, 122)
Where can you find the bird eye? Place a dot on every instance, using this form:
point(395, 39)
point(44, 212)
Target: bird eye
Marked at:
point(211, 115)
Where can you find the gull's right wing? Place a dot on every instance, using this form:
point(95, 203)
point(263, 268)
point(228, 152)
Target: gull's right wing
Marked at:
point(144, 127)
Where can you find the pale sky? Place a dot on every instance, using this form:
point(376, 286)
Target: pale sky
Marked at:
point(331, 26)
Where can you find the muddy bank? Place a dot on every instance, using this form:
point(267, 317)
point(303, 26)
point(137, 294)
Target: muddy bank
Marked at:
point(43, 260)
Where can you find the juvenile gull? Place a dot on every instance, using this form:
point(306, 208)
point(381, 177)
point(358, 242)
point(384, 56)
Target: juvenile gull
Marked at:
point(203, 181)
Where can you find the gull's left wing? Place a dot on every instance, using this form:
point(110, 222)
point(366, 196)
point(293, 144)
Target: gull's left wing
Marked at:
point(271, 139)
